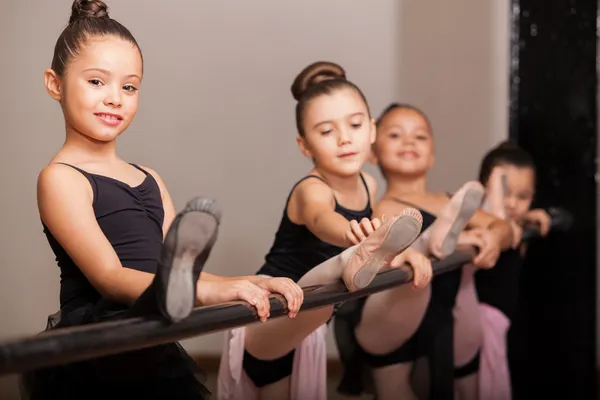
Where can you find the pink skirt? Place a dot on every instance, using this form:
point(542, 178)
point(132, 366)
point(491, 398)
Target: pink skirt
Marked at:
point(494, 376)
point(309, 371)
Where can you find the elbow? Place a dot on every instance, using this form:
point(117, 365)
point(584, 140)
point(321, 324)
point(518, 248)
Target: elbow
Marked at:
point(110, 286)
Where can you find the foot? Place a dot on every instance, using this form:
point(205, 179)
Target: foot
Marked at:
point(454, 218)
point(380, 248)
point(186, 248)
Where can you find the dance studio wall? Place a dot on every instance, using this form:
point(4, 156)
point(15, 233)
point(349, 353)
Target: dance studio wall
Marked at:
point(216, 115)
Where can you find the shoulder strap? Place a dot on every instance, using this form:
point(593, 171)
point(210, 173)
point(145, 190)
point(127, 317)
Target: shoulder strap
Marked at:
point(88, 176)
point(302, 180)
point(83, 172)
point(364, 181)
point(140, 168)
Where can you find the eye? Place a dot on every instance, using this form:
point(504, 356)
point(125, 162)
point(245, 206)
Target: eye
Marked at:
point(130, 88)
point(95, 82)
point(326, 132)
point(422, 137)
point(394, 135)
point(357, 125)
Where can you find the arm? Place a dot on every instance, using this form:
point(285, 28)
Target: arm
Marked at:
point(499, 228)
point(208, 277)
point(215, 289)
point(65, 205)
point(312, 204)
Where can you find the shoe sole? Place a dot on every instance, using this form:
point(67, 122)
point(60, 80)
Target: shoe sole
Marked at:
point(470, 204)
point(401, 235)
point(200, 216)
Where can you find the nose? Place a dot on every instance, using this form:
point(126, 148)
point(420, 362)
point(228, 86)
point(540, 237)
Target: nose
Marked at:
point(408, 139)
point(113, 97)
point(344, 137)
point(510, 202)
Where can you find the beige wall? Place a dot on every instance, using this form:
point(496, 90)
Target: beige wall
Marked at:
point(455, 66)
point(216, 114)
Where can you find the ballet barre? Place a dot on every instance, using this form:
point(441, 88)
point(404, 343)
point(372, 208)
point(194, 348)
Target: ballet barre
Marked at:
point(67, 345)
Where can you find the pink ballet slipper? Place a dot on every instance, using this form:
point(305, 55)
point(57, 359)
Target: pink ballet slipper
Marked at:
point(454, 218)
point(497, 189)
point(379, 249)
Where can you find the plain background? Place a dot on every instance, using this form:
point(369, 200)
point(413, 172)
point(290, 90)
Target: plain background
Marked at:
point(216, 115)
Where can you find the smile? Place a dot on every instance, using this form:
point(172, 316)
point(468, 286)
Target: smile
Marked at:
point(109, 119)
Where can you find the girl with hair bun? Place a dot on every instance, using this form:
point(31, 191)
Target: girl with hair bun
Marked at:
point(404, 152)
point(120, 246)
point(326, 233)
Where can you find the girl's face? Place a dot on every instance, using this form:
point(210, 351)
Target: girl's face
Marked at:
point(404, 144)
point(99, 89)
point(520, 182)
point(338, 132)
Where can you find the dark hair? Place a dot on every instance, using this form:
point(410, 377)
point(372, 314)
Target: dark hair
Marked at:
point(88, 18)
point(316, 80)
point(403, 106)
point(506, 153)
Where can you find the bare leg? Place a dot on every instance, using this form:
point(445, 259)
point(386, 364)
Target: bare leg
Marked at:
point(467, 322)
point(467, 334)
point(401, 309)
point(278, 390)
point(393, 382)
point(357, 265)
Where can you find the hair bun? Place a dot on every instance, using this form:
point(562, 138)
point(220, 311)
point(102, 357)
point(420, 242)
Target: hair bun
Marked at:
point(507, 145)
point(314, 74)
point(85, 9)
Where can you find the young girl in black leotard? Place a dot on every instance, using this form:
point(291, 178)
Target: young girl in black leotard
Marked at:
point(105, 220)
point(404, 152)
point(327, 215)
point(508, 173)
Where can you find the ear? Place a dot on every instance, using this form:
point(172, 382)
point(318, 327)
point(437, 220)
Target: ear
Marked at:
point(52, 82)
point(432, 160)
point(304, 148)
point(373, 156)
point(373, 130)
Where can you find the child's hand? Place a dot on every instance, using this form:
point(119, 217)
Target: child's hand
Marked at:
point(210, 293)
point(420, 264)
point(294, 295)
point(358, 232)
point(541, 218)
point(487, 243)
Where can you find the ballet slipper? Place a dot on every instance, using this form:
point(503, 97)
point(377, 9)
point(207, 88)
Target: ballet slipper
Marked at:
point(497, 189)
point(454, 218)
point(380, 248)
point(186, 248)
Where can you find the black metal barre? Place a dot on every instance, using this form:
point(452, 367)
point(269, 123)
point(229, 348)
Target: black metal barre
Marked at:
point(66, 345)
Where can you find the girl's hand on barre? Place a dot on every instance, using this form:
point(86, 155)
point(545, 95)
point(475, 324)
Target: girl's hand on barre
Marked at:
point(487, 243)
point(541, 218)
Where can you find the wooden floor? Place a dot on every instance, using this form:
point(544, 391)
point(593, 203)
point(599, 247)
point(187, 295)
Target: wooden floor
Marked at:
point(9, 388)
point(331, 385)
